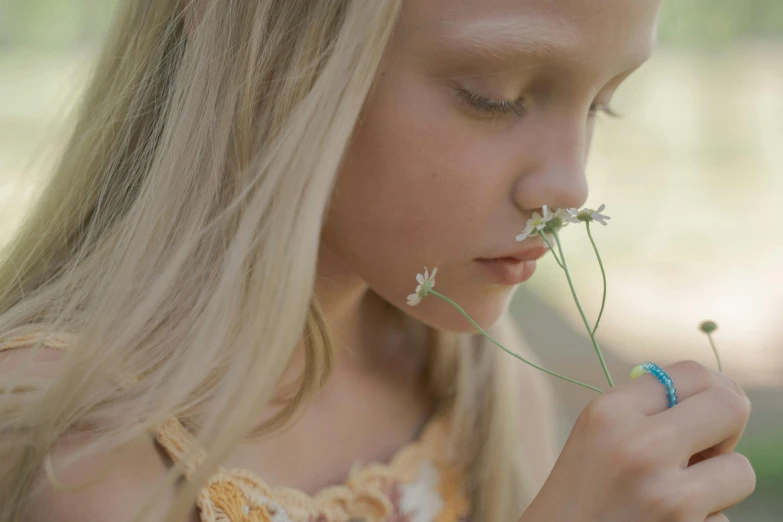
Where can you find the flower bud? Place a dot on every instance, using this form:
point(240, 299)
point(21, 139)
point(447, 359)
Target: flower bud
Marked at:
point(708, 327)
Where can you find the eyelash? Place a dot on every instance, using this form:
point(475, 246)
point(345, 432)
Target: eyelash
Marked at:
point(496, 108)
point(491, 106)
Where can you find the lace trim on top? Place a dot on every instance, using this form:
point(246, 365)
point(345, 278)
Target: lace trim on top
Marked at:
point(416, 481)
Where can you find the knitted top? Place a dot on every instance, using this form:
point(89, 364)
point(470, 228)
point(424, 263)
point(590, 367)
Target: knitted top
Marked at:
point(419, 484)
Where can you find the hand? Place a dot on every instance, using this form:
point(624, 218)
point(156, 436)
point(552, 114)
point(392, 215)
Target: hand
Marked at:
point(631, 458)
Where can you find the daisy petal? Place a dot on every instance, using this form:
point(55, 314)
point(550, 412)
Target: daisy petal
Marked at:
point(525, 233)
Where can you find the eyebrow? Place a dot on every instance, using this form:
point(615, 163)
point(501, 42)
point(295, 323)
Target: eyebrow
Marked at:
point(525, 39)
point(501, 36)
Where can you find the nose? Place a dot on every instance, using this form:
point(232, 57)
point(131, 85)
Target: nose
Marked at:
point(555, 173)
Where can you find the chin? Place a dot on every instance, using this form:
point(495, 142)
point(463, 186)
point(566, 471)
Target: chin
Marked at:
point(485, 310)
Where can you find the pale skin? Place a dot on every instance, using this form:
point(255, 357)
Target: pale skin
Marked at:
point(431, 180)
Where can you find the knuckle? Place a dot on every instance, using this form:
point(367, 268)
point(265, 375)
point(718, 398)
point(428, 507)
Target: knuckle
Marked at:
point(601, 414)
point(731, 384)
point(697, 373)
point(735, 404)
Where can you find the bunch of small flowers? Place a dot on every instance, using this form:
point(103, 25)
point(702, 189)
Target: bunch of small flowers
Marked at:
point(547, 225)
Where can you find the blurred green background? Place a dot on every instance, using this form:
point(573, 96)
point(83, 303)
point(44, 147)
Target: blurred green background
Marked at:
point(692, 176)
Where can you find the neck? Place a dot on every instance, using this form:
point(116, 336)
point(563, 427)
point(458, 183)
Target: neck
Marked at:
point(373, 338)
point(370, 335)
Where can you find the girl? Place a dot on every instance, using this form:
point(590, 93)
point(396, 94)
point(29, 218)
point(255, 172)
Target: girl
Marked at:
point(205, 317)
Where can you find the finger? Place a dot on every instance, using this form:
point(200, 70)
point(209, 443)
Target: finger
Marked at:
point(717, 517)
point(648, 396)
point(720, 482)
point(713, 419)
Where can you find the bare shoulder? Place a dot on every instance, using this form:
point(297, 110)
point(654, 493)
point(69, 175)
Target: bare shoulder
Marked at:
point(118, 484)
point(124, 482)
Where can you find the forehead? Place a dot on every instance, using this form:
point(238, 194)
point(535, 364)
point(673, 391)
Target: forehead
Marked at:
point(550, 29)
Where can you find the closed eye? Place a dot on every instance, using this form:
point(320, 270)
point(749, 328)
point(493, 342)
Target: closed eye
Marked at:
point(490, 106)
point(493, 107)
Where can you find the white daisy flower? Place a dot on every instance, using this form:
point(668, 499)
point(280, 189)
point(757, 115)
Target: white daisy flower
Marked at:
point(426, 283)
point(560, 219)
point(565, 216)
point(587, 215)
point(597, 216)
point(535, 223)
point(525, 233)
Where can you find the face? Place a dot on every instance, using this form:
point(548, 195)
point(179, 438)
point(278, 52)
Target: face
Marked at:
point(482, 112)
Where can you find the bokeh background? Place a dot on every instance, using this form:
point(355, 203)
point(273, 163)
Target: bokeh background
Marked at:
point(692, 176)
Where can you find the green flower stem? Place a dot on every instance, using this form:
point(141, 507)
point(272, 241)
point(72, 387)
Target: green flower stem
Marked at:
point(582, 313)
point(603, 274)
point(480, 329)
point(715, 351)
point(551, 248)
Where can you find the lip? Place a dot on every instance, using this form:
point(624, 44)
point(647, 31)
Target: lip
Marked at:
point(530, 253)
point(515, 267)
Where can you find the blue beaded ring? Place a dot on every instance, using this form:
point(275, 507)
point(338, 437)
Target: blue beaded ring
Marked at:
point(663, 377)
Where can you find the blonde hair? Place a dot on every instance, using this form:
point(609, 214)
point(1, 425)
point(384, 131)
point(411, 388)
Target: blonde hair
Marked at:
point(177, 241)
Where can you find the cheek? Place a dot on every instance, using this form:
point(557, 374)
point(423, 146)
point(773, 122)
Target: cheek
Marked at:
point(418, 187)
point(415, 171)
